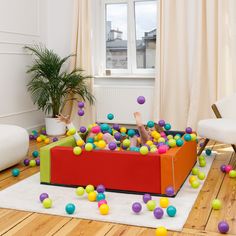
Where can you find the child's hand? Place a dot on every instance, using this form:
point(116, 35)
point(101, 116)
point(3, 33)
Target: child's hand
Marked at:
point(64, 119)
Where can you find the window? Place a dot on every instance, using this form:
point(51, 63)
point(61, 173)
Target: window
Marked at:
point(130, 35)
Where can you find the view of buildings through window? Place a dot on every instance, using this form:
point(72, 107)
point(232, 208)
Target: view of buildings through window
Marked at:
point(145, 34)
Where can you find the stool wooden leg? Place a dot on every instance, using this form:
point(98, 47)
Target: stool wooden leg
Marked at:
point(203, 146)
point(234, 147)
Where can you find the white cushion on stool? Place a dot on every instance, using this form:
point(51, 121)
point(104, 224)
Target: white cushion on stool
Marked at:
point(221, 130)
point(14, 145)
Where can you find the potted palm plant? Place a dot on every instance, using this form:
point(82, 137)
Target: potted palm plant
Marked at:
point(51, 87)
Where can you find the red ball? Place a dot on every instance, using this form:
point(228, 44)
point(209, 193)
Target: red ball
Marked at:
point(228, 168)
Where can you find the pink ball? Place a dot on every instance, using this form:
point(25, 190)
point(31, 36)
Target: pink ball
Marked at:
point(103, 201)
point(162, 149)
point(163, 134)
point(228, 168)
point(96, 129)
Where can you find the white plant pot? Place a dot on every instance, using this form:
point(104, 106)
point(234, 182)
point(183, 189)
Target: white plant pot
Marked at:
point(54, 127)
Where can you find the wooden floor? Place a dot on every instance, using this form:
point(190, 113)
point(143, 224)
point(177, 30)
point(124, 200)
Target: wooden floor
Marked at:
point(201, 221)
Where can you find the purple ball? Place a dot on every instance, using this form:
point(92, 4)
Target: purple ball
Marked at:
point(116, 127)
point(158, 213)
point(112, 145)
point(26, 162)
point(100, 188)
point(161, 123)
point(37, 162)
point(141, 99)
point(80, 104)
point(55, 139)
point(124, 147)
point(222, 168)
point(43, 132)
point(188, 130)
point(136, 207)
point(146, 197)
point(35, 136)
point(80, 112)
point(201, 144)
point(82, 129)
point(223, 227)
point(170, 191)
point(43, 196)
point(31, 137)
point(117, 136)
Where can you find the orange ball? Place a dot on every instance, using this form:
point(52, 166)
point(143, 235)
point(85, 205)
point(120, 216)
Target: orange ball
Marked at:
point(39, 139)
point(47, 141)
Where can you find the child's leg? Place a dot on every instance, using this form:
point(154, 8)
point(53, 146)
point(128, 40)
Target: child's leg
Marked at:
point(108, 138)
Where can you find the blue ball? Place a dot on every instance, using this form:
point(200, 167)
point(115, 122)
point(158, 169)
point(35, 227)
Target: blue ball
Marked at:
point(104, 127)
point(208, 152)
point(15, 172)
point(187, 137)
point(132, 149)
point(131, 133)
point(171, 211)
point(179, 142)
point(150, 124)
point(90, 140)
point(70, 208)
point(35, 154)
point(100, 196)
point(110, 116)
point(167, 126)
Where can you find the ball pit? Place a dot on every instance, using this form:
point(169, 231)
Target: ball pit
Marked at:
point(136, 207)
point(70, 208)
point(158, 213)
point(223, 227)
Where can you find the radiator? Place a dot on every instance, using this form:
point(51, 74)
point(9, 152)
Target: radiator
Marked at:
point(121, 101)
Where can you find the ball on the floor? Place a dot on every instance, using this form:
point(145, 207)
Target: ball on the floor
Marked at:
point(171, 211)
point(223, 227)
point(80, 191)
point(80, 104)
point(77, 150)
point(92, 196)
point(170, 191)
point(112, 146)
point(43, 196)
point(167, 126)
point(195, 171)
point(228, 168)
point(35, 153)
point(216, 204)
point(201, 175)
point(32, 163)
point(188, 130)
point(110, 116)
point(136, 207)
point(192, 178)
point(37, 162)
point(143, 150)
point(100, 188)
point(141, 100)
point(202, 163)
point(161, 231)
point(232, 174)
point(26, 162)
point(222, 168)
point(164, 202)
point(47, 203)
point(89, 188)
point(88, 147)
point(151, 205)
point(15, 172)
point(70, 208)
point(208, 152)
point(146, 197)
point(102, 202)
point(158, 213)
point(80, 112)
point(195, 184)
point(104, 209)
point(55, 139)
point(100, 196)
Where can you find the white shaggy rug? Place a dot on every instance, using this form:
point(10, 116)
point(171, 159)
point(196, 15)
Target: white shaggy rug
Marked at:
point(25, 196)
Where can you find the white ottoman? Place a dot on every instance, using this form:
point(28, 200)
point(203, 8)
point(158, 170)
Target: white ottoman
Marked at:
point(14, 145)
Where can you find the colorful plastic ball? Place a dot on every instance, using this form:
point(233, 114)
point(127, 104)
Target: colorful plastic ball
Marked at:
point(100, 188)
point(104, 127)
point(161, 140)
point(100, 196)
point(193, 137)
point(195, 184)
point(170, 191)
point(116, 127)
point(167, 126)
point(144, 150)
point(208, 152)
point(77, 150)
point(201, 158)
point(195, 171)
point(202, 163)
point(162, 149)
point(89, 188)
point(232, 174)
point(102, 202)
point(188, 130)
point(15, 172)
point(201, 175)
point(141, 100)
point(136, 207)
point(110, 116)
point(223, 227)
point(80, 142)
point(131, 133)
point(55, 139)
point(101, 144)
point(151, 205)
point(31, 137)
point(228, 168)
point(80, 104)
point(161, 231)
point(80, 112)
point(153, 150)
point(92, 196)
point(172, 143)
point(158, 213)
point(72, 131)
point(90, 140)
point(123, 130)
point(177, 136)
point(126, 143)
point(80, 191)
point(82, 129)
point(70, 208)
point(88, 147)
point(104, 209)
point(164, 202)
point(171, 211)
point(170, 136)
point(161, 123)
point(47, 203)
point(43, 196)
point(187, 137)
point(112, 146)
point(147, 197)
point(192, 178)
point(47, 141)
point(96, 129)
point(150, 124)
point(39, 139)
point(216, 204)
point(37, 162)
point(35, 154)
point(26, 162)
point(222, 168)
point(32, 163)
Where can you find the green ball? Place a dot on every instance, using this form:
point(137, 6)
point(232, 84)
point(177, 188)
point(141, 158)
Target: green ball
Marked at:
point(143, 150)
point(177, 136)
point(47, 203)
point(15, 172)
point(32, 163)
point(193, 137)
point(80, 191)
point(88, 147)
point(216, 204)
point(201, 158)
point(195, 184)
point(72, 131)
point(201, 175)
point(195, 171)
point(151, 205)
point(126, 142)
point(150, 124)
point(232, 174)
point(172, 143)
point(170, 136)
point(89, 188)
point(77, 150)
point(202, 163)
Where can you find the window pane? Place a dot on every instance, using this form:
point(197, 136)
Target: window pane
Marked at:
point(116, 36)
point(146, 24)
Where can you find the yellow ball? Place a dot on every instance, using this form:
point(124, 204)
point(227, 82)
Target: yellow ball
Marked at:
point(80, 142)
point(101, 144)
point(99, 136)
point(47, 203)
point(92, 196)
point(192, 179)
point(47, 141)
point(172, 142)
point(104, 209)
point(89, 188)
point(149, 143)
point(170, 136)
point(161, 231)
point(80, 191)
point(72, 131)
point(193, 137)
point(161, 140)
point(164, 202)
point(88, 147)
point(68, 133)
point(77, 150)
point(144, 150)
point(39, 139)
point(126, 142)
point(123, 130)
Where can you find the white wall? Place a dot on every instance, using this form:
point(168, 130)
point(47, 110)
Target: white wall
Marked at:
point(27, 22)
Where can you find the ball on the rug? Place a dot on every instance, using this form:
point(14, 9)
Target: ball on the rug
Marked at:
point(104, 209)
point(164, 202)
point(136, 207)
point(222, 168)
point(232, 174)
point(88, 147)
point(100, 188)
point(161, 231)
point(100, 196)
point(195, 171)
point(223, 227)
point(43, 196)
point(167, 126)
point(26, 162)
point(110, 116)
point(188, 130)
point(102, 202)
point(228, 168)
point(15, 172)
point(151, 205)
point(143, 150)
point(216, 204)
point(37, 162)
point(35, 153)
point(141, 100)
point(201, 175)
point(70, 208)
point(89, 188)
point(208, 152)
point(171, 211)
point(47, 203)
point(77, 150)
point(158, 213)
point(92, 196)
point(146, 197)
point(80, 191)
point(170, 191)
point(32, 163)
